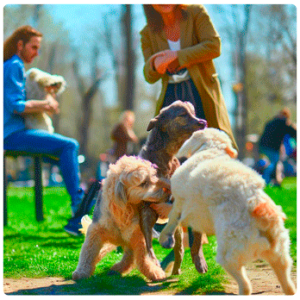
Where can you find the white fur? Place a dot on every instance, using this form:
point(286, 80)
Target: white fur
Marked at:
point(36, 81)
point(218, 195)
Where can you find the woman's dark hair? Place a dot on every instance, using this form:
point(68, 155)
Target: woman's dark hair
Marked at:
point(154, 19)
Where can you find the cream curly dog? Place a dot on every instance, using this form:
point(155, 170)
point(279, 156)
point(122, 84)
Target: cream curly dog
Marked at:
point(116, 220)
point(218, 195)
point(38, 84)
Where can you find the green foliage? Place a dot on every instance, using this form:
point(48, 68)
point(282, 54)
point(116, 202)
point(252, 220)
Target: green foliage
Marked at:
point(34, 250)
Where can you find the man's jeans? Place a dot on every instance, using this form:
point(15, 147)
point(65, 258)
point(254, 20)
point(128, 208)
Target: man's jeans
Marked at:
point(273, 156)
point(56, 145)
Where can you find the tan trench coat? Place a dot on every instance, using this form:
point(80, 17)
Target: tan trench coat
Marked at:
point(200, 44)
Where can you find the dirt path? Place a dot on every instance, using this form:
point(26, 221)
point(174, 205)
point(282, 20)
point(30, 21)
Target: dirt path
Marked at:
point(262, 277)
point(263, 280)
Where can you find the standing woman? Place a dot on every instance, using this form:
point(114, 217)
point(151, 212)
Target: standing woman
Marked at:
point(179, 44)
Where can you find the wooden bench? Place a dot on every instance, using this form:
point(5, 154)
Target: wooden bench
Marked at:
point(38, 188)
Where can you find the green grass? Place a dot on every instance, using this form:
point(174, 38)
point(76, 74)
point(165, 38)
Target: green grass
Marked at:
point(33, 249)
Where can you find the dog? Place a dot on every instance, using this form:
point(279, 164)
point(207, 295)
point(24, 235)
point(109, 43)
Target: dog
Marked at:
point(116, 220)
point(38, 84)
point(168, 131)
point(217, 194)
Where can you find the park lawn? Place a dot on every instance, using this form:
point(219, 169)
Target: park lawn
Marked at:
point(33, 249)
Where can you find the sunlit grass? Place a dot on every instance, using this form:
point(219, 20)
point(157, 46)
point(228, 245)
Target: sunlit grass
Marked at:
point(33, 249)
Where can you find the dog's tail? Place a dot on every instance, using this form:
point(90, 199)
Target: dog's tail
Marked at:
point(86, 221)
point(267, 213)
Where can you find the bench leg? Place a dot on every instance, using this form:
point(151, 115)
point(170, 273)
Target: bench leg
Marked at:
point(38, 189)
point(4, 194)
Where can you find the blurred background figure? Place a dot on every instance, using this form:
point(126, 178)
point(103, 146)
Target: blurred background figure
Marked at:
point(123, 136)
point(102, 166)
point(271, 141)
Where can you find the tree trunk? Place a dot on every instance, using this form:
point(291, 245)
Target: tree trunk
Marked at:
point(129, 60)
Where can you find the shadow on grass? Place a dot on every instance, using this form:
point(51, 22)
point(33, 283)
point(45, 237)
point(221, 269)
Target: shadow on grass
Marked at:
point(52, 238)
point(100, 284)
point(208, 286)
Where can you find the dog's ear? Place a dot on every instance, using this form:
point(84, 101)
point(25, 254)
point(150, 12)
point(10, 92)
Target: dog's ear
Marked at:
point(185, 150)
point(120, 192)
point(191, 107)
point(134, 178)
point(153, 122)
point(191, 145)
point(231, 151)
point(127, 180)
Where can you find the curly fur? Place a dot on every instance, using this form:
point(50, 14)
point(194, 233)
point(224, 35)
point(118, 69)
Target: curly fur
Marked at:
point(216, 194)
point(36, 81)
point(129, 181)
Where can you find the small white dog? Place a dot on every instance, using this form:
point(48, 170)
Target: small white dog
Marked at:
point(38, 84)
point(218, 195)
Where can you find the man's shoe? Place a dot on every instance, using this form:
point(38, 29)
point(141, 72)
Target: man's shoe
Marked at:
point(73, 226)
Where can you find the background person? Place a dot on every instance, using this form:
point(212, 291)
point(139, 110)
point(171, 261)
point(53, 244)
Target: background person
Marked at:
point(123, 135)
point(22, 47)
point(272, 138)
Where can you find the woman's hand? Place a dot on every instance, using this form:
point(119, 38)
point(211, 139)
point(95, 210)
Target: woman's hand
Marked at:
point(174, 66)
point(164, 59)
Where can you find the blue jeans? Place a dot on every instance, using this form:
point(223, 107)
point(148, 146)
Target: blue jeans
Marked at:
point(273, 156)
point(56, 145)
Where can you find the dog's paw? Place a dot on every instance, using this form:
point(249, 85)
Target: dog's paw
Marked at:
point(158, 275)
point(176, 271)
point(77, 275)
point(200, 264)
point(167, 241)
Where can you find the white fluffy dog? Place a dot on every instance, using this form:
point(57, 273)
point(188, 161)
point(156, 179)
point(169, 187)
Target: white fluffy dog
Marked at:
point(38, 83)
point(218, 195)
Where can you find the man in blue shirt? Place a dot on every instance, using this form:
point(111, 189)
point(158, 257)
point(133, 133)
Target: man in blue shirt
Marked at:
point(22, 47)
point(272, 138)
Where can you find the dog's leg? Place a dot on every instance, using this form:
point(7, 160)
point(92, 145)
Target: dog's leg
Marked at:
point(166, 238)
point(239, 274)
point(143, 262)
point(148, 218)
point(105, 250)
point(281, 263)
point(172, 236)
point(178, 250)
point(197, 253)
point(125, 265)
point(89, 253)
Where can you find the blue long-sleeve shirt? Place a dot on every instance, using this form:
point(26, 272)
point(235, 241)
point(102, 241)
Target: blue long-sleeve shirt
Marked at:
point(14, 78)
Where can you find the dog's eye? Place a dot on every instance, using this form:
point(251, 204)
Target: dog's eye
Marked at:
point(144, 184)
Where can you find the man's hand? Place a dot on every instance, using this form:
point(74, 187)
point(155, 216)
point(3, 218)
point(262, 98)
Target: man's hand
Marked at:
point(52, 105)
